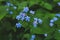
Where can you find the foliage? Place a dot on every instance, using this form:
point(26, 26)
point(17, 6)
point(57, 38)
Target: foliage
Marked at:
point(8, 30)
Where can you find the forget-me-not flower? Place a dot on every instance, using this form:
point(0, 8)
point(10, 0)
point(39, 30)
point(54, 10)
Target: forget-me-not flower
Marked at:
point(18, 17)
point(35, 23)
point(32, 12)
point(26, 9)
point(10, 12)
point(18, 25)
point(39, 21)
point(51, 21)
point(58, 15)
point(58, 30)
point(8, 3)
point(58, 3)
point(55, 18)
point(22, 14)
point(15, 7)
point(27, 18)
point(32, 37)
point(35, 19)
point(7, 9)
point(51, 24)
point(22, 18)
point(11, 4)
point(45, 35)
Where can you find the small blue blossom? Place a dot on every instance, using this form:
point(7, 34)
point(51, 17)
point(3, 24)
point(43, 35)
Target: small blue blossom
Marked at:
point(15, 7)
point(26, 9)
point(58, 15)
point(18, 25)
point(11, 12)
point(18, 17)
point(8, 3)
point(51, 24)
point(58, 30)
point(35, 19)
point(58, 3)
point(22, 18)
point(51, 21)
point(22, 14)
point(32, 12)
point(11, 4)
point(7, 9)
point(45, 35)
point(55, 18)
point(33, 37)
point(35, 23)
point(27, 18)
point(40, 21)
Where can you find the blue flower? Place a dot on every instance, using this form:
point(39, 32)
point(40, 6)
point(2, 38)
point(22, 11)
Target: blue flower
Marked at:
point(8, 3)
point(22, 14)
point(58, 15)
point(26, 9)
point(51, 24)
point(18, 17)
point(58, 3)
point(11, 5)
point(55, 18)
point(11, 12)
point(22, 18)
point(15, 7)
point(40, 21)
point(18, 25)
point(35, 19)
point(35, 23)
point(45, 35)
point(32, 12)
point(7, 9)
point(58, 30)
point(32, 37)
point(27, 18)
point(51, 21)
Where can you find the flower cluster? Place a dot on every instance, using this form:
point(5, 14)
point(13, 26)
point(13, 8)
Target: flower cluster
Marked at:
point(37, 21)
point(23, 16)
point(10, 4)
point(52, 21)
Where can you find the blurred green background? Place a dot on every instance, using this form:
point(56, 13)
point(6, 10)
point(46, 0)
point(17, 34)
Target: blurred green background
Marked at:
point(44, 9)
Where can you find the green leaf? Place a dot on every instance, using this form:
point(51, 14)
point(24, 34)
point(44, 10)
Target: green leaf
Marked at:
point(48, 6)
point(57, 35)
point(3, 12)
